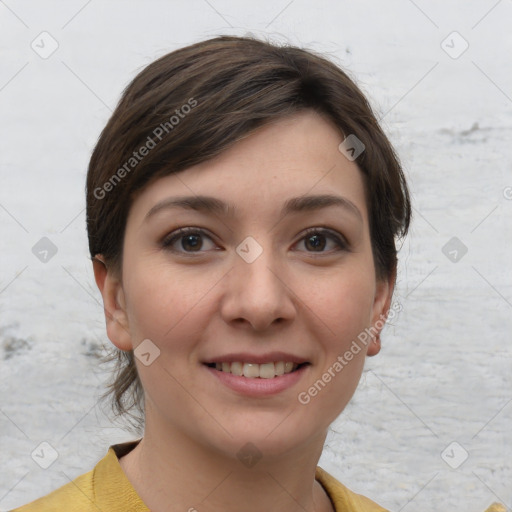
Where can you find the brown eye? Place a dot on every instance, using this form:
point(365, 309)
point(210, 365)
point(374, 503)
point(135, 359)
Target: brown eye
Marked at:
point(186, 240)
point(316, 240)
point(193, 242)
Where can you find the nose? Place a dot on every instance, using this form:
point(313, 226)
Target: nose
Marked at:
point(258, 294)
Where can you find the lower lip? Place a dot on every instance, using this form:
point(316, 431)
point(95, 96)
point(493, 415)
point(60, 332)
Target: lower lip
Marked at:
point(258, 387)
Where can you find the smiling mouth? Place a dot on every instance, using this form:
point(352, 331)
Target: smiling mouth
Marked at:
point(254, 371)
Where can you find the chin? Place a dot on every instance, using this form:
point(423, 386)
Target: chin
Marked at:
point(268, 434)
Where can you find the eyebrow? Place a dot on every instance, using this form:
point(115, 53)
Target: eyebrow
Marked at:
point(208, 204)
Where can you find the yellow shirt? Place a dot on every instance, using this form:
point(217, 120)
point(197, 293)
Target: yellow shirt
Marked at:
point(107, 488)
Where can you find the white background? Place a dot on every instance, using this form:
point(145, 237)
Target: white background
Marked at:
point(444, 374)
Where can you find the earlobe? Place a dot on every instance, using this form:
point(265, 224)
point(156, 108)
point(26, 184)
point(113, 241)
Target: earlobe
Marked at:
point(114, 304)
point(374, 346)
point(381, 305)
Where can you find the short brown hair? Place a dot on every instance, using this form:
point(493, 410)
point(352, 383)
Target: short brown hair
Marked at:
point(200, 100)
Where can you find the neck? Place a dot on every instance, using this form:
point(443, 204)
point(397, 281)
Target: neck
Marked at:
point(167, 467)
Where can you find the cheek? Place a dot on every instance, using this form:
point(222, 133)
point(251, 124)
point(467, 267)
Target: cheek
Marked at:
point(167, 309)
point(165, 305)
point(344, 304)
point(346, 310)
point(153, 304)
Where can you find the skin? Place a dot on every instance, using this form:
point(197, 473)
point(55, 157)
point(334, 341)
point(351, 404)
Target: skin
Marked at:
point(294, 297)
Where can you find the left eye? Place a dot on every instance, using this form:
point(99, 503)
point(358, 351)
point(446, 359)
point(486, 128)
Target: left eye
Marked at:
point(316, 239)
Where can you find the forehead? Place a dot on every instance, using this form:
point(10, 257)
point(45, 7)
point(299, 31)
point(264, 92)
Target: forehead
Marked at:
point(291, 157)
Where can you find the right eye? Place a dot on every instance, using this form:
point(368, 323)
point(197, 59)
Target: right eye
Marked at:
point(191, 240)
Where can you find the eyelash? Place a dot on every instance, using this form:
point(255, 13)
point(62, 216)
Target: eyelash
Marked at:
point(170, 239)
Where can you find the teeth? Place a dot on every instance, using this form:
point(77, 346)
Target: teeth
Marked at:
point(253, 370)
point(236, 368)
point(267, 371)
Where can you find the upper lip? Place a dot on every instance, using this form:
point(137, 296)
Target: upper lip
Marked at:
point(245, 357)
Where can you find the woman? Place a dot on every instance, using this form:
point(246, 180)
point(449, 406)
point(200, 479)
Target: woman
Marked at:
point(242, 210)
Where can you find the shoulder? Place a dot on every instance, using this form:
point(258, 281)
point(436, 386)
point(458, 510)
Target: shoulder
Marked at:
point(343, 498)
point(75, 496)
point(105, 487)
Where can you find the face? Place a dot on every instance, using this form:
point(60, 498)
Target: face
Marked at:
point(277, 286)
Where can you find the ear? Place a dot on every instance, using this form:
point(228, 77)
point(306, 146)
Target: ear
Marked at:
point(381, 305)
point(114, 304)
